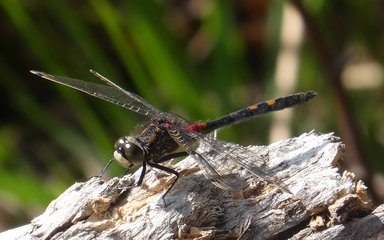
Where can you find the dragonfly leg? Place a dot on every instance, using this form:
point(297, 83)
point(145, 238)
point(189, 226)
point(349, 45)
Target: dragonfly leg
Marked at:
point(125, 173)
point(138, 183)
point(168, 170)
point(143, 170)
point(105, 168)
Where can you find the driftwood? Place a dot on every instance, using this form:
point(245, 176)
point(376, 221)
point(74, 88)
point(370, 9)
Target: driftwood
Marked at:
point(321, 203)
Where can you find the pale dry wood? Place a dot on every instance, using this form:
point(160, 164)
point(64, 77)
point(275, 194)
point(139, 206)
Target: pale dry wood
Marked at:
point(321, 202)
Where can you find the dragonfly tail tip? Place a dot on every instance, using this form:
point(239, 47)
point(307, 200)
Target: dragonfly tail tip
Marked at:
point(311, 94)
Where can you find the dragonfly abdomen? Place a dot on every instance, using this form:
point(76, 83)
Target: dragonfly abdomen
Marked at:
point(258, 109)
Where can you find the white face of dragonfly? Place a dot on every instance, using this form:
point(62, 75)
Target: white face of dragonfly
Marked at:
point(127, 153)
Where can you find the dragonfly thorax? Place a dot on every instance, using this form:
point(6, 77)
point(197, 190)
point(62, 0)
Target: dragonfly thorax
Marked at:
point(128, 152)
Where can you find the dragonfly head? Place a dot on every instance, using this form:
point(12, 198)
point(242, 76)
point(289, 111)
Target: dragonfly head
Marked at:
point(128, 152)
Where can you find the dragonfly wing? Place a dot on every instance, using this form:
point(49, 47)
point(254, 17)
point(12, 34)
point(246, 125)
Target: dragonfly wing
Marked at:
point(231, 156)
point(222, 162)
point(227, 180)
point(112, 93)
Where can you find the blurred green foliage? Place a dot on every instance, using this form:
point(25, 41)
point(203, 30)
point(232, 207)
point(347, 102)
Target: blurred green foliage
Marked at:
point(192, 57)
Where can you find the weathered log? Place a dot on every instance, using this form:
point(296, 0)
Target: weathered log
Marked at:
point(321, 202)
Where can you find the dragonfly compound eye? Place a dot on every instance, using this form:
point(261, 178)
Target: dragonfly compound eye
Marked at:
point(127, 153)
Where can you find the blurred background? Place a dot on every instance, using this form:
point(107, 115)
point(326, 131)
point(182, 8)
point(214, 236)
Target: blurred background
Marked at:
point(198, 58)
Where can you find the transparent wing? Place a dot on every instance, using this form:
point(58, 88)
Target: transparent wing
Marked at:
point(222, 162)
point(112, 93)
point(229, 154)
point(187, 142)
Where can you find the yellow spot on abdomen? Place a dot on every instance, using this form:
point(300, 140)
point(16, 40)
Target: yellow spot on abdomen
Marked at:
point(271, 102)
point(253, 107)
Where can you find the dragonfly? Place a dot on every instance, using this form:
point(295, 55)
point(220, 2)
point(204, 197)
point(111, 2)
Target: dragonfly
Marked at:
point(166, 136)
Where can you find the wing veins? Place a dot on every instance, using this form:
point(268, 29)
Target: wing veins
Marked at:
point(112, 93)
point(234, 155)
point(210, 172)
